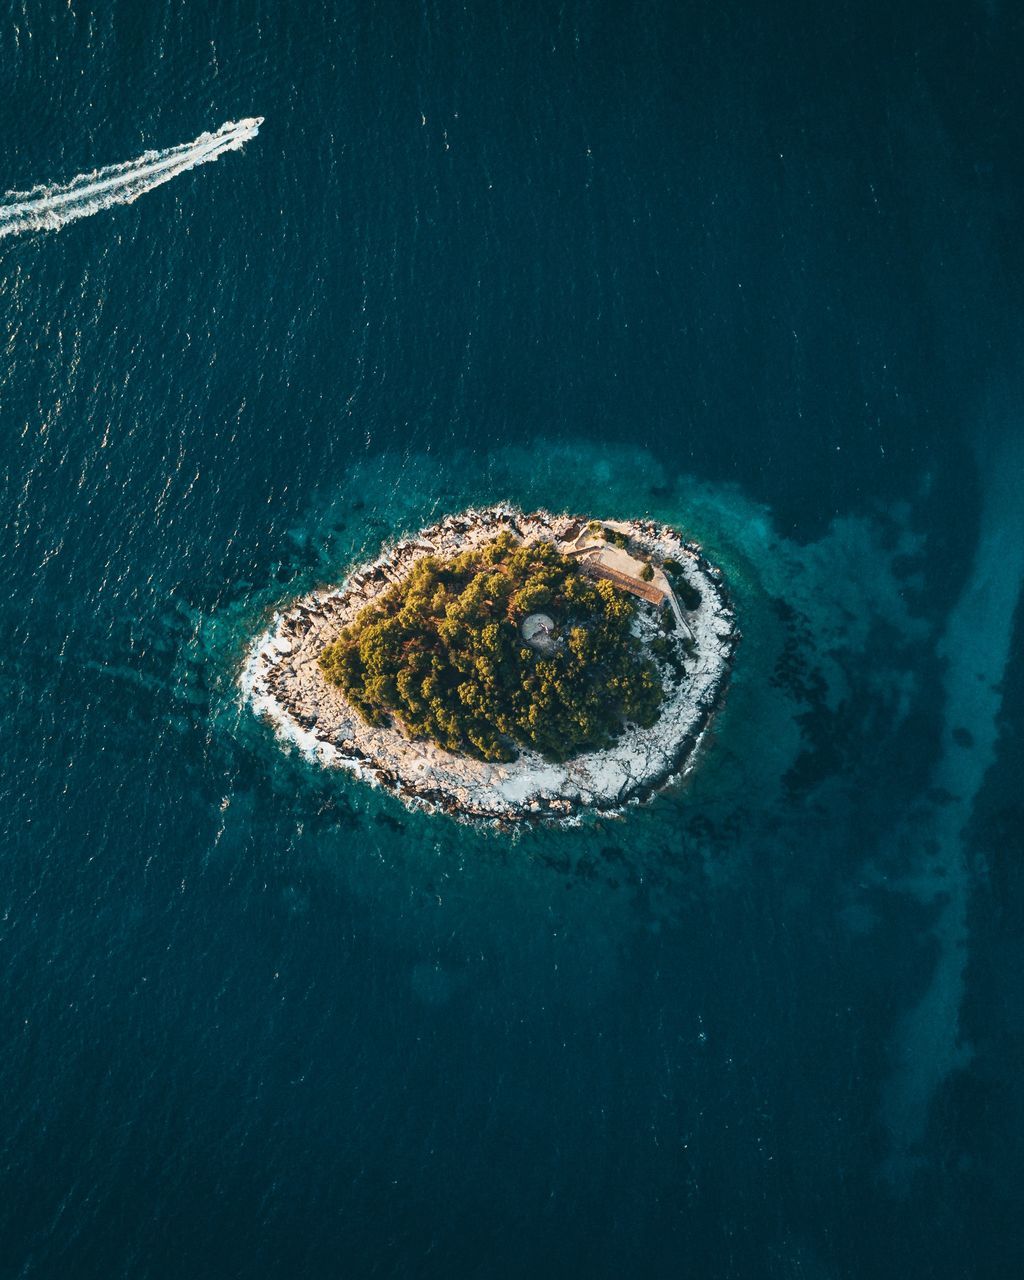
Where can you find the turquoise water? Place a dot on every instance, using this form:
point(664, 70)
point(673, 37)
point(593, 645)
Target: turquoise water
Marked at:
point(748, 273)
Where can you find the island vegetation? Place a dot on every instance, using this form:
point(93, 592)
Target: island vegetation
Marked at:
point(442, 654)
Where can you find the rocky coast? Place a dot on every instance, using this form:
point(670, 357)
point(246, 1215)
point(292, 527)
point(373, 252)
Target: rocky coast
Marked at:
point(283, 681)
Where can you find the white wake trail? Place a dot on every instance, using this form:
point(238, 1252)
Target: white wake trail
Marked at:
point(48, 208)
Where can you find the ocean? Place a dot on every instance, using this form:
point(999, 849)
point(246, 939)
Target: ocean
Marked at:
point(753, 270)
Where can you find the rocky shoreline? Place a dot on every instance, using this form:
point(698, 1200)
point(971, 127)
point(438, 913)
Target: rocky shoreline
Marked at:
point(283, 682)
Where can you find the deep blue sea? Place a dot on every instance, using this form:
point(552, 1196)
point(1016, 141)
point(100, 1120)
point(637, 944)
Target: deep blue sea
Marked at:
point(753, 269)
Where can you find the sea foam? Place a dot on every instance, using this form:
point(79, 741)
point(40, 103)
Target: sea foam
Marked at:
point(50, 207)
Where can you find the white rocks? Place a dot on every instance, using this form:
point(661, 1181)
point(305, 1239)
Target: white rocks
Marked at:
point(283, 681)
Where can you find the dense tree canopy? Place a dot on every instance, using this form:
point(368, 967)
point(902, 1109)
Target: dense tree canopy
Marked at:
point(441, 652)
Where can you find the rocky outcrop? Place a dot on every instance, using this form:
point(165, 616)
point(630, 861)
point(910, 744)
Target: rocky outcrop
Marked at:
point(283, 681)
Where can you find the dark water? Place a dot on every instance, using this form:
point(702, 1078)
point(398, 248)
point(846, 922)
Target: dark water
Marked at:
point(754, 269)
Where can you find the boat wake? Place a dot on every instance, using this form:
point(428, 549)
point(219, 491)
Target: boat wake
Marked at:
point(50, 207)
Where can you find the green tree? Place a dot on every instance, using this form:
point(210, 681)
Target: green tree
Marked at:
point(440, 654)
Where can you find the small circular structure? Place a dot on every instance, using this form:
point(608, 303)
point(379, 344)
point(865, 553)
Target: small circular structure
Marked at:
point(538, 630)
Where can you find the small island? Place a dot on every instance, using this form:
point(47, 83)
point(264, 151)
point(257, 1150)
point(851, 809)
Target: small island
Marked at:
point(507, 667)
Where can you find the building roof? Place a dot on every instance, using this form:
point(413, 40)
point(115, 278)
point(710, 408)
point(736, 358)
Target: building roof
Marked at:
point(537, 630)
point(636, 586)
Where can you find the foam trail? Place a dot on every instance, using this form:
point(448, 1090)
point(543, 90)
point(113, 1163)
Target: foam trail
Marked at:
point(48, 208)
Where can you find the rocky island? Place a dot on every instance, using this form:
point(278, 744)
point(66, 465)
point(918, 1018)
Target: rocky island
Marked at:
point(506, 667)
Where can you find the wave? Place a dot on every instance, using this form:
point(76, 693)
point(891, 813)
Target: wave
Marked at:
point(50, 207)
